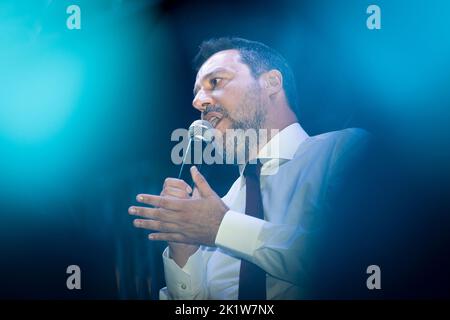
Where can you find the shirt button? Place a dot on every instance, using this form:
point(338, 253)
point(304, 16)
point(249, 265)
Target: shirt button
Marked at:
point(183, 286)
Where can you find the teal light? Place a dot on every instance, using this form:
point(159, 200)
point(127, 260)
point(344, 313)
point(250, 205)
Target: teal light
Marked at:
point(38, 97)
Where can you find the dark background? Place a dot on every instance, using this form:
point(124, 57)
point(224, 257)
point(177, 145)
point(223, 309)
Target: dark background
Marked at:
point(86, 117)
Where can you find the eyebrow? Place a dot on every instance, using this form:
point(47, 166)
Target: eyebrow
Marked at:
point(210, 75)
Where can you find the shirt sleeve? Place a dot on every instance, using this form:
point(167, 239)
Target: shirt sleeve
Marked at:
point(272, 247)
point(185, 283)
point(248, 228)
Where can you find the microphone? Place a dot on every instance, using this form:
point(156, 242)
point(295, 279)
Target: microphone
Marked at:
point(197, 132)
point(198, 129)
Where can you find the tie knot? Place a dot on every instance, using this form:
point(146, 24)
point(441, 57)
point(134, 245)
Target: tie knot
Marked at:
point(253, 169)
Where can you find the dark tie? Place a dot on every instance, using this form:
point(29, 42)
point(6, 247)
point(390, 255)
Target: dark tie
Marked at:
point(252, 279)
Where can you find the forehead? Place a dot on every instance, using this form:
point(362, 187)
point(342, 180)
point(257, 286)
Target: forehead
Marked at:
point(226, 59)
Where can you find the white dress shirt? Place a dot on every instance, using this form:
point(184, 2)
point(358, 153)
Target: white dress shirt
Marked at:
point(295, 176)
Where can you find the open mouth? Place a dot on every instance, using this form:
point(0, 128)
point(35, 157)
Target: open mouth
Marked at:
point(214, 118)
point(214, 121)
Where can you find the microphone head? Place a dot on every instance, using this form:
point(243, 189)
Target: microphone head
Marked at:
point(197, 131)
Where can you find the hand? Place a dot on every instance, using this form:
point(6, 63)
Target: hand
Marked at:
point(177, 188)
point(193, 220)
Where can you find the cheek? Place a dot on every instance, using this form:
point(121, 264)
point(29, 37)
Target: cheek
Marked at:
point(230, 97)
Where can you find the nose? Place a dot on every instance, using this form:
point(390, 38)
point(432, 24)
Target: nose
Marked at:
point(202, 100)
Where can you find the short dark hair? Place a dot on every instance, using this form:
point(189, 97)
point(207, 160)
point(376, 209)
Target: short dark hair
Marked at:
point(257, 56)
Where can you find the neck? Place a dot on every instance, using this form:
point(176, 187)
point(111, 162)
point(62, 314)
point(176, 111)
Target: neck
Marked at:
point(278, 118)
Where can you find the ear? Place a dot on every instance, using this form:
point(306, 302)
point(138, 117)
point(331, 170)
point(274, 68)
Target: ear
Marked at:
point(272, 81)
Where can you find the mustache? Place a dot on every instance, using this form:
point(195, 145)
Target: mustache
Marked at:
point(215, 108)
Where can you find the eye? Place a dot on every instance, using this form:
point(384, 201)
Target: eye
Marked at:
point(214, 82)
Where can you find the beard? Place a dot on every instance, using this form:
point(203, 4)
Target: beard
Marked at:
point(249, 114)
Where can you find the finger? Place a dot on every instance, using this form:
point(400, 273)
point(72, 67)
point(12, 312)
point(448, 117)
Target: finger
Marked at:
point(159, 201)
point(200, 182)
point(175, 192)
point(172, 237)
point(195, 193)
point(177, 183)
point(153, 213)
point(156, 225)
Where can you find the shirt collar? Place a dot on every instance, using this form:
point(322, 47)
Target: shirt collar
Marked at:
point(282, 146)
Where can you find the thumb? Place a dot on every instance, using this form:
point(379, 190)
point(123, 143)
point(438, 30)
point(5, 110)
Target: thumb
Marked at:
point(201, 183)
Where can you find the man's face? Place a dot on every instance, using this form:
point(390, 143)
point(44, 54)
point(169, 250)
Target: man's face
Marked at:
point(229, 96)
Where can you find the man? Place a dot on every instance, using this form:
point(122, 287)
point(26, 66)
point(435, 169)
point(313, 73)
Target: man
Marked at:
point(272, 236)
